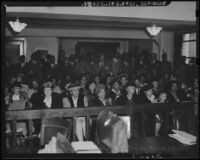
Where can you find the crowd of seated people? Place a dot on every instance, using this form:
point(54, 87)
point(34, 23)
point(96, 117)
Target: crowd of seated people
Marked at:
point(76, 82)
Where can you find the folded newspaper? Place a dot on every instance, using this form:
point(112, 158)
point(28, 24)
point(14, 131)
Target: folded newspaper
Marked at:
point(184, 137)
point(85, 147)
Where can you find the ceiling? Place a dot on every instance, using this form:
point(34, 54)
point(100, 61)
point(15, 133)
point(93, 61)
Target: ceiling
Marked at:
point(46, 20)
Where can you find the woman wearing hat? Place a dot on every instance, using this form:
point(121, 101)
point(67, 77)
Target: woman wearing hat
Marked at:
point(100, 98)
point(17, 100)
point(74, 100)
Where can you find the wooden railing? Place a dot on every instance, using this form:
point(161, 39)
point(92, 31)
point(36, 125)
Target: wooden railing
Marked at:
point(87, 112)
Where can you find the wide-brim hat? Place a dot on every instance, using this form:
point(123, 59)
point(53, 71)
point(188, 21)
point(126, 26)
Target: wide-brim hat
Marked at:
point(74, 87)
point(48, 85)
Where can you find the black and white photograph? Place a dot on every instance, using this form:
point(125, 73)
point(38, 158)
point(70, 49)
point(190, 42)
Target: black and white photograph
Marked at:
point(104, 79)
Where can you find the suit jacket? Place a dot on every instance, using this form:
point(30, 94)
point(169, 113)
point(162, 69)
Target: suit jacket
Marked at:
point(35, 69)
point(155, 65)
point(20, 69)
point(166, 67)
point(171, 98)
point(125, 67)
point(97, 102)
point(102, 69)
point(80, 68)
point(123, 100)
point(115, 67)
point(91, 69)
point(49, 71)
point(142, 99)
point(37, 99)
point(113, 96)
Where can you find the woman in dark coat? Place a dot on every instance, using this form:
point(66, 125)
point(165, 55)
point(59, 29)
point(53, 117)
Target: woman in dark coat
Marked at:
point(149, 119)
point(44, 99)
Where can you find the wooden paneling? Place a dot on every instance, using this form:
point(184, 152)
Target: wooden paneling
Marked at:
point(187, 107)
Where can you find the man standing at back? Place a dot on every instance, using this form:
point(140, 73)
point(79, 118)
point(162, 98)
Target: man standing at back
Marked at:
point(166, 66)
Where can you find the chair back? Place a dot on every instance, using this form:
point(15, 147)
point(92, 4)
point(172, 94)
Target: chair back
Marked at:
point(111, 133)
point(50, 127)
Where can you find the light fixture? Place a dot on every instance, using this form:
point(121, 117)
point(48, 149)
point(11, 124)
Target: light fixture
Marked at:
point(154, 30)
point(17, 26)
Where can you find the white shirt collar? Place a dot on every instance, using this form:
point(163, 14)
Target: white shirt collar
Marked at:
point(75, 100)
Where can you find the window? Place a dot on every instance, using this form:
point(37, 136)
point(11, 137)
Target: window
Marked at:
point(189, 45)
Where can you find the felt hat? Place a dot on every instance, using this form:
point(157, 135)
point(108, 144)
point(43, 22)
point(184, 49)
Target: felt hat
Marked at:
point(73, 86)
point(48, 85)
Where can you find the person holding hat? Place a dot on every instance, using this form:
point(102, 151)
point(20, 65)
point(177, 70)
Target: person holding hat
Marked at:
point(74, 100)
